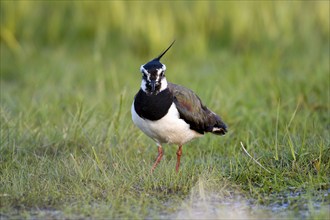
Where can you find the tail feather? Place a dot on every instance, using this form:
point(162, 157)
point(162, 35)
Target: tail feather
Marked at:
point(220, 128)
point(219, 131)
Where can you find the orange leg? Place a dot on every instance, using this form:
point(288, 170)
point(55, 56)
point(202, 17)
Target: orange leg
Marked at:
point(158, 159)
point(178, 153)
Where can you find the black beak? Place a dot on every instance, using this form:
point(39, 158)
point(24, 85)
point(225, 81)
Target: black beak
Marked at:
point(153, 85)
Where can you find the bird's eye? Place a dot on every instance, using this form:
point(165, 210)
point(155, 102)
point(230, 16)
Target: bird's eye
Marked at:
point(162, 73)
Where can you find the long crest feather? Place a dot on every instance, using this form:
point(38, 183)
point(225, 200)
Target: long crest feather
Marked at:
point(162, 54)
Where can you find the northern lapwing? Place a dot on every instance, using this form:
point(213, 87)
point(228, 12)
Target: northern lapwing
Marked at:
point(170, 113)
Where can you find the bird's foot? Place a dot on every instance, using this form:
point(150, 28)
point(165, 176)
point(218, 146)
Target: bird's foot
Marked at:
point(158, 159)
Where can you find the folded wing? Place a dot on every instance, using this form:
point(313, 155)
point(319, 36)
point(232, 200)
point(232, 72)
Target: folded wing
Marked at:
point(193, 112)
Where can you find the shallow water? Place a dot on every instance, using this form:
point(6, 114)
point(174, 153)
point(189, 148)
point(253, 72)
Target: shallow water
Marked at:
point(292, 205)
point(204, 204)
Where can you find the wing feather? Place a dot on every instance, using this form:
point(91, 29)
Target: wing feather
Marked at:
point(194, 112)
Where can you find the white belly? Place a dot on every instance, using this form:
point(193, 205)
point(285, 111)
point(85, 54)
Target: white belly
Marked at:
point(169, 129)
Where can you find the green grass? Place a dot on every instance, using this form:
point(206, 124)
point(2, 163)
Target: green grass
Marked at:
point(69, 72)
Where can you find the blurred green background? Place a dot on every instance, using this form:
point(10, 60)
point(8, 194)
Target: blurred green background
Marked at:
point(102, 44)
point(143, 26)
point(70, 69)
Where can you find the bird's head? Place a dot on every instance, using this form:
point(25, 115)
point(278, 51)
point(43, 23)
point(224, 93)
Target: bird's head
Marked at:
point(153, 75)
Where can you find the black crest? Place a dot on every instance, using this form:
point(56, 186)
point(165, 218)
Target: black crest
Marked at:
point(162, 54)
point(155, 63)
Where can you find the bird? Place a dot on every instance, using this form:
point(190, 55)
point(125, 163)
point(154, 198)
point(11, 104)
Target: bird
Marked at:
point(169, 113)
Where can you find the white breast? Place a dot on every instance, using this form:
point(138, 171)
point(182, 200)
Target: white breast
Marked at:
point(169, 129)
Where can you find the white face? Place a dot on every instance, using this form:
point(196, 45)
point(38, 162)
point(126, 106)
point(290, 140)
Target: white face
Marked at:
point(153, 79)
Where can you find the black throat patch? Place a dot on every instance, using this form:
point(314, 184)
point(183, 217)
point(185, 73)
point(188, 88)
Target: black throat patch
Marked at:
point(153, 107)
